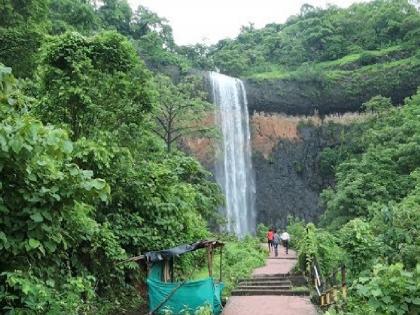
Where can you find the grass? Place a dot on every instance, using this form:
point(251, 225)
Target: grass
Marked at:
point(300, 289)
point(354, 58)
point(336, 67)
point(274, 74)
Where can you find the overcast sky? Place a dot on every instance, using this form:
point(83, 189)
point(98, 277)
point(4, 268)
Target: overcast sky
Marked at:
point(196, 21)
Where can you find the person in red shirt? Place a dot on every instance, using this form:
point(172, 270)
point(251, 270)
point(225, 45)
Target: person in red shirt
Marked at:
point(270, 236)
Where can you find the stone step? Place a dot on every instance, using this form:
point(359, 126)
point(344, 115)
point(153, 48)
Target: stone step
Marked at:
point(238, 292)
point(266, 280)
point(266, 283)
point(294, 279)
point(252, 287)
point(276, 275)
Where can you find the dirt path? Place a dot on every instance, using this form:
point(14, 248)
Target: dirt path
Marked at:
point(270, 304)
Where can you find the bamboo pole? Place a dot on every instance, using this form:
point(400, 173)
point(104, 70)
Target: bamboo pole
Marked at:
point(210, 260)
point(220, 265)
point(343, 281)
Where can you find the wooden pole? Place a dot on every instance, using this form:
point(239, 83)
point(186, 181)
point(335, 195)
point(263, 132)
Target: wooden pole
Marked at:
point(166, 273)
point(210, 260)
point(220, 265)
point(343, 281)
point(172, 269)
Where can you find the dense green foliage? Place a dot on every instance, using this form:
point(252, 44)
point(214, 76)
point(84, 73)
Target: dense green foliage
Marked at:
point(315, 247)
point(90, 171)
point(385, 168)
point(389, 289)
point(64, 228)
point(85, 183)
point(25, 25)
point(325, 60)
point(372, 212)
point(317, 35)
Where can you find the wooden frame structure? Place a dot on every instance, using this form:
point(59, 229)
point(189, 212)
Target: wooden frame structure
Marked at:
point(168, 274)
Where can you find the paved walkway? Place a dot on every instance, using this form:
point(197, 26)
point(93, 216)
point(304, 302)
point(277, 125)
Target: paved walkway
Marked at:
point(274, 265)
point(271, 305)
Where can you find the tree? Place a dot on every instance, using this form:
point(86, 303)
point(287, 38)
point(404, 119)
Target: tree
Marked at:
point(73, 15)
point(383, 171)
point(31, 12)
point(377, 104)
point(181, 110)
point(72, 64)
point(18, 49)
point(198, 55)
point(22, 28)
point(116, 14)
point(145, 21)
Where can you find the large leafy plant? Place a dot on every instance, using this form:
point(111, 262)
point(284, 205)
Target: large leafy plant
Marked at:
point(49, 238)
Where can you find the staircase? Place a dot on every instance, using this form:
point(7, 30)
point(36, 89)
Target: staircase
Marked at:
point(276, 284)
point(272, 289)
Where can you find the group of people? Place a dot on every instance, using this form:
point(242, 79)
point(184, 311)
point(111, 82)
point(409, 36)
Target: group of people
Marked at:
point(274, 240)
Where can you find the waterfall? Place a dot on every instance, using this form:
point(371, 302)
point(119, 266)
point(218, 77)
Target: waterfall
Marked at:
point(233, 162)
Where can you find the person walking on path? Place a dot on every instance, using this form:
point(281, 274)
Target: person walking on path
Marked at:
point(285, 237)
point(276, 242)
point(270, 235)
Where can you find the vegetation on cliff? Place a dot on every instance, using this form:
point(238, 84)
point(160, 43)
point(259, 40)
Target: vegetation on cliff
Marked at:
point(372, 222)
point(327, 60)
point(362, 34)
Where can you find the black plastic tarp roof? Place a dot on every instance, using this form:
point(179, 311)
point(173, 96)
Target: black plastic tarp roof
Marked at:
point(165, 254)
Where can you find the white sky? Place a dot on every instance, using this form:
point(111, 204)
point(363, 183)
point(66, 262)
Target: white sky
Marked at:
point(196, 21)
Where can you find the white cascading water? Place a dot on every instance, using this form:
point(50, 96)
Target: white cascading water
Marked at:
point(233, 163)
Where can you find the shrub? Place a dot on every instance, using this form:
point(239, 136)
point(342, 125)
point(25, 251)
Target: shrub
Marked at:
point(262, 230)
point(296, 229)
point(360, 244)
point(43, 297)
point(367, 58)
point(319, 246)
point(377, 104)
point(240, 258)
point(388, 290)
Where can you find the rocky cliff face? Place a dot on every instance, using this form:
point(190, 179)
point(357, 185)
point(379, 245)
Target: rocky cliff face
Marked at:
point(287, 147)
point(326, 92)
point(286, 156)
point(286, 161)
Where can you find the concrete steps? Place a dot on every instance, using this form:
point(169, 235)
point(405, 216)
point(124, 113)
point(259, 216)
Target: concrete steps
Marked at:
point(238, 292)
point(266, 284)
point(278, 284)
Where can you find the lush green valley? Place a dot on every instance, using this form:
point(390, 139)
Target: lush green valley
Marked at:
point(94, 103)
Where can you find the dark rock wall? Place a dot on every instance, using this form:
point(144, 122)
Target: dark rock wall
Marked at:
point(289, 180)
point(329, 92)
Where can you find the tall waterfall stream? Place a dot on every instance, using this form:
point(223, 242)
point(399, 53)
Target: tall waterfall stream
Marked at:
point(233, 162)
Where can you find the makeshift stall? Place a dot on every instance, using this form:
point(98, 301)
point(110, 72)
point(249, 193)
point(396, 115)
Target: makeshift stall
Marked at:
point(166, 294)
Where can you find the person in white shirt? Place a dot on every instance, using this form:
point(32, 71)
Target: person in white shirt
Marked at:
point(285, 238)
